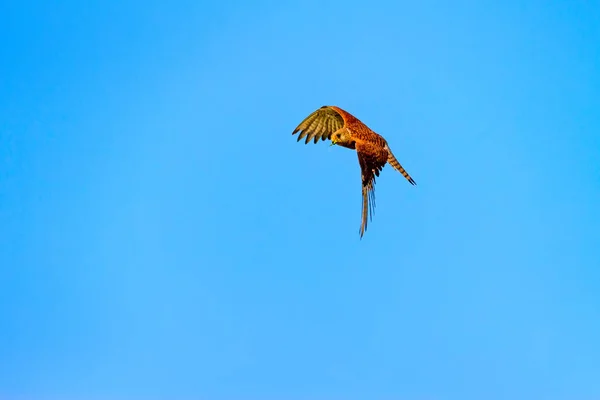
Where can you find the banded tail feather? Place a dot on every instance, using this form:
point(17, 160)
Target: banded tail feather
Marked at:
point(398, 167)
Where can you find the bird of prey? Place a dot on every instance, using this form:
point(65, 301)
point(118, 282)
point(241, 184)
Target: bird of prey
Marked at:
point(343, 129)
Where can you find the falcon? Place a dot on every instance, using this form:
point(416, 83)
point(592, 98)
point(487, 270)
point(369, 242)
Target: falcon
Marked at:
point(343, 129)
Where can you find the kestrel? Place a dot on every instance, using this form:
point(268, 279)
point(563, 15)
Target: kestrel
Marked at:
point(343, 129)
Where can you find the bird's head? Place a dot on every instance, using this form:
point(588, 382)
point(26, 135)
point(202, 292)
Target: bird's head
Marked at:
point(340, 137)
point(343, 138)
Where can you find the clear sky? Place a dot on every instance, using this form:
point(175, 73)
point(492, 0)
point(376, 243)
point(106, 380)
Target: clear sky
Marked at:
point(164, 236)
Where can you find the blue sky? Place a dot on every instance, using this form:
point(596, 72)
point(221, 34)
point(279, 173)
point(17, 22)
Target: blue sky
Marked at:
point(163, 236)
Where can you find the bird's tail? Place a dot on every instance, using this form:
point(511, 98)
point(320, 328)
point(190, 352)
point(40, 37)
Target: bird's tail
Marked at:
point(398, 167)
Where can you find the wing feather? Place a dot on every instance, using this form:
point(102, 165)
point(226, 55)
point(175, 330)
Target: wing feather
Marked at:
point(370, 166)
point(320, 125)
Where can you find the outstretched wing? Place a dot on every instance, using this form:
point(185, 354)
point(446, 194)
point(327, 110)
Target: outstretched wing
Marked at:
point(320, 124)
point(370, 166)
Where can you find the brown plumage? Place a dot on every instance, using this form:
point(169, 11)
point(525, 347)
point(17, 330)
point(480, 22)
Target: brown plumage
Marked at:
point(342, 128)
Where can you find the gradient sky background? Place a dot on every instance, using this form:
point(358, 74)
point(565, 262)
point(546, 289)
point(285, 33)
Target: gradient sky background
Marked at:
point(163, 236)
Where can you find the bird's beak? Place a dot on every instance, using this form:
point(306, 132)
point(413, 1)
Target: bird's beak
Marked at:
point(332, 143)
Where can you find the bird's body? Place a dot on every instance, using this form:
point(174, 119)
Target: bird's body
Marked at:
point(343, 129)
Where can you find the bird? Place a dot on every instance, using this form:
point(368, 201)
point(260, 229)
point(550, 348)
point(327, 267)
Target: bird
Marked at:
point(344, 129)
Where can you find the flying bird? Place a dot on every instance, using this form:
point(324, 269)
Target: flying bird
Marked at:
point(343, 129)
